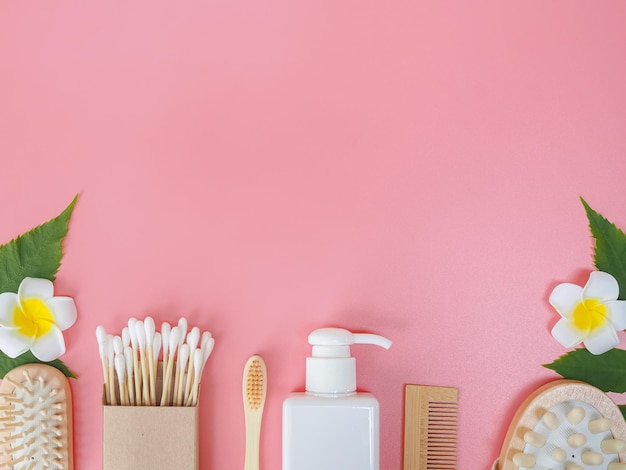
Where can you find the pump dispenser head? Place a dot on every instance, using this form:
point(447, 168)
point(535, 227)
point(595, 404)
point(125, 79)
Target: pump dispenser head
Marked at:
point(331, 370)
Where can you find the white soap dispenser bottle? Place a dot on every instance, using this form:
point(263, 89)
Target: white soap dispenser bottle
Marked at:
point(331, 426)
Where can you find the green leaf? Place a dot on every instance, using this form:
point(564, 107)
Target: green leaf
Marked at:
point(6, 364)
point(622, 408)
point(610, 247)
point(36, 253)
point(605, 371)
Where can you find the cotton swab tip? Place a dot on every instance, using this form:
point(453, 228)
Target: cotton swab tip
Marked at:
point(125, 336)
point(193, 338)
point(182, 326)
point(128, 358)
point(165, 336)
point(206, 336)
point(101, 334)
point(183, 356)
point(117, 345)
point(198, 362)
point(208, 348)
point(140, 333)
point(150, 329)
point(156, 345)
point(120, 368)
point(174, 339)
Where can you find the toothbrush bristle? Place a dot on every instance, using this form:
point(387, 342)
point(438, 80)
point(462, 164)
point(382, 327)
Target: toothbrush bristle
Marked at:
point(255, 385)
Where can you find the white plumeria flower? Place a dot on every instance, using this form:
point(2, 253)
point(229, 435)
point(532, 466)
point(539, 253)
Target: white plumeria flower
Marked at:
point(591, 314)
point(33, 319)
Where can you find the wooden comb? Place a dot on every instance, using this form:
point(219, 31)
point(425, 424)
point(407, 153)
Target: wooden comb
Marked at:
point(430, 427)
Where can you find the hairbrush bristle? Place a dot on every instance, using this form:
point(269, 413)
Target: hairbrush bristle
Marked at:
point(255, 384)
point(35, 419)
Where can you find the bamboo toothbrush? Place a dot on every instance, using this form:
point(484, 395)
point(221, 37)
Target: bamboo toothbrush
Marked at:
point(36, 419)
point(254, 389)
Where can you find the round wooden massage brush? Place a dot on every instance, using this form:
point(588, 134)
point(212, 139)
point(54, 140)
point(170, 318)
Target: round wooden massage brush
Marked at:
point(35, 419)
point(565, 425)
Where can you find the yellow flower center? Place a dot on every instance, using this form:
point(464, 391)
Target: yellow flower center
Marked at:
point(589, 315)
point(34, 319)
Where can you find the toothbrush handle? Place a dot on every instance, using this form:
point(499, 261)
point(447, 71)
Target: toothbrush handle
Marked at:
point(253, 437)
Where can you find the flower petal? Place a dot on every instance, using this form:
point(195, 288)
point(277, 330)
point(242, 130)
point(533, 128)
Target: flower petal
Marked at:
point(35, 287)
point(616, 310)
point(8, 303)
point(601, 340)
point(64, 311)
point(565, 297)
point(12, 343)
point(50, 346)
point(566, 334)
point(601, 286)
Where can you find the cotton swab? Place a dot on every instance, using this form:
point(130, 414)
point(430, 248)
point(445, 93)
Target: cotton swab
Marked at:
point(156, 349)
point(128, 357)
point(133, 341)
point(192, 398)
point(149, 328)
point(120, 368)
point(193, 338)
point(167, 377)
point(165, 341)
point(207, 344)
point(183, 357)
point(111, 365)
point(140, 332)
point(101, 336)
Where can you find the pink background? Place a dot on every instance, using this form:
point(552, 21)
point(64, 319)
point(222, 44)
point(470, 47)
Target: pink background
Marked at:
point(268, 167)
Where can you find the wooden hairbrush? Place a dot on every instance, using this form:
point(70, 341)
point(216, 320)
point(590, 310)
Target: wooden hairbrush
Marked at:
point(565, 425)
point(35, 419)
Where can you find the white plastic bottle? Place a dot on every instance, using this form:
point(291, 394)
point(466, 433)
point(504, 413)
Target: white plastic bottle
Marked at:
point(331, 426)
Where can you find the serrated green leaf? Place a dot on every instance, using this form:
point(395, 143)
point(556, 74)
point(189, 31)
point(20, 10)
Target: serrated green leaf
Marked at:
point(7, 364)
point(605, 371)
point(610, 247)
point(36, 253)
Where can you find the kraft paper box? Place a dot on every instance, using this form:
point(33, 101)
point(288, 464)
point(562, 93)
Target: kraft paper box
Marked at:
point(150, 437)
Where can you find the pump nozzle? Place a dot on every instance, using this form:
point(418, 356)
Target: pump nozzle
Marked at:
point(331, 370)
point(342, 337)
